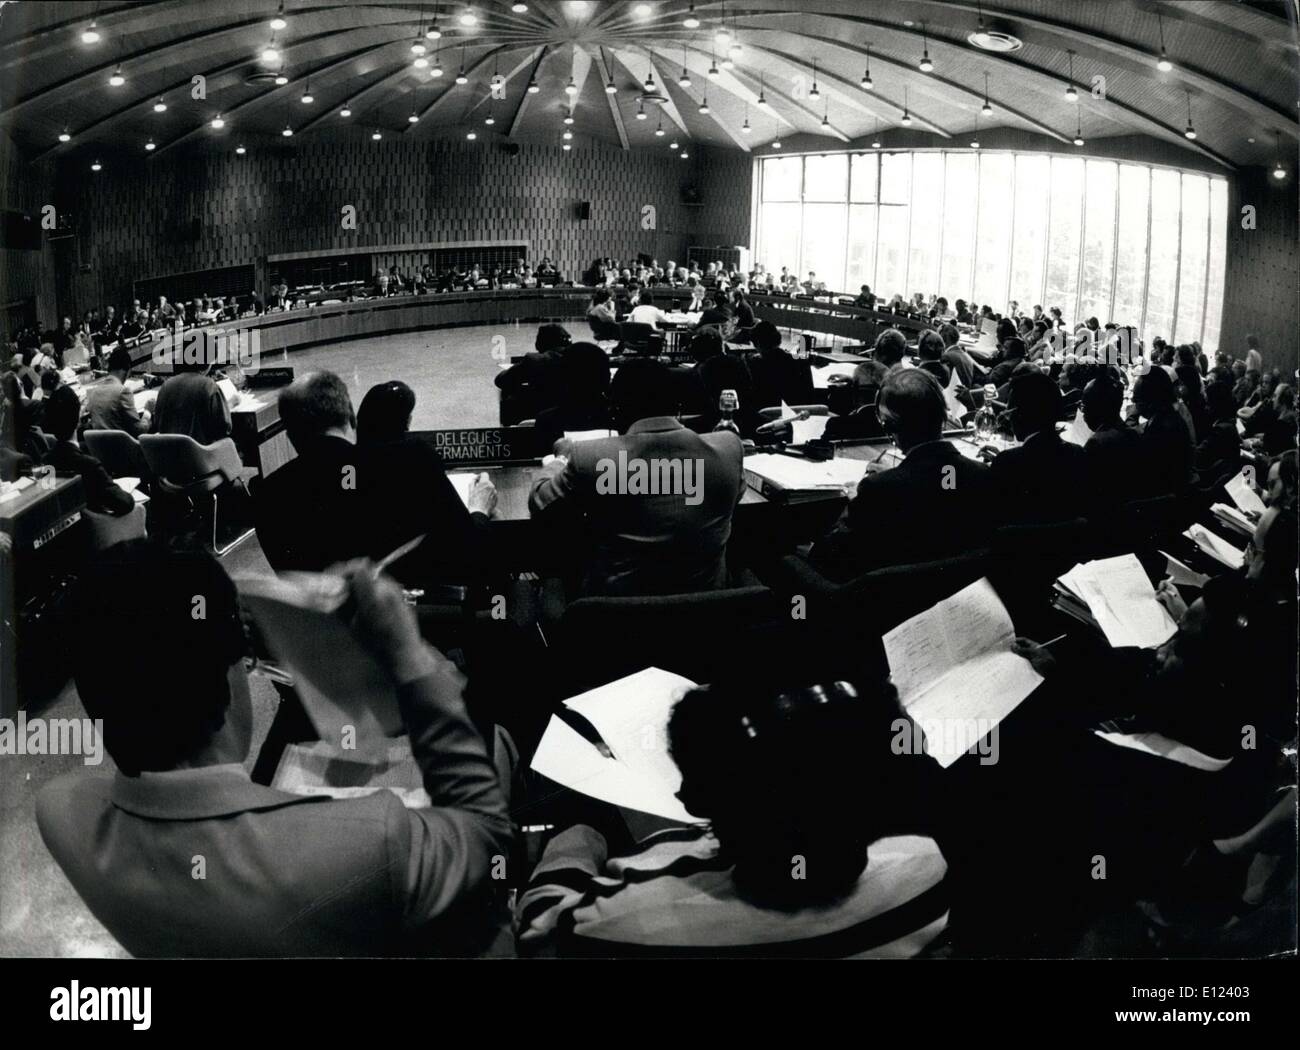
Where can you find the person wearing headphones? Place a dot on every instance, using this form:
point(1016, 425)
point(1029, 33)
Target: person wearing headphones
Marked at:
point(906, 514)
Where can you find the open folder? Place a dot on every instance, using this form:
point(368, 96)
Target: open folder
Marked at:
point(631, 718)
point(1121, 601)
point(955, 670)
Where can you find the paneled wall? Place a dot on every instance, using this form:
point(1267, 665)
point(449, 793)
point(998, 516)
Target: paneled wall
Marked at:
point(25, 274)
point(177, 214)
point(1262, 284)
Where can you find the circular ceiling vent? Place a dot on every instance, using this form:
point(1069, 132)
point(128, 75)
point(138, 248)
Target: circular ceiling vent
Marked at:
point(998, 40)
point(653, 98)
point(259, 79)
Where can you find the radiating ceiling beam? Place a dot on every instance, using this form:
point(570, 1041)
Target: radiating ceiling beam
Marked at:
point(522, 108)
point(606, 75)
point(453, 89)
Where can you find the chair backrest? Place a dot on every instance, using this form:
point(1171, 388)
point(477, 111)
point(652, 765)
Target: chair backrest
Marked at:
point(107, 530)
point(702, 636)
point(118, 451)
point(602, 329)
point(178, 460)
point(635, 334)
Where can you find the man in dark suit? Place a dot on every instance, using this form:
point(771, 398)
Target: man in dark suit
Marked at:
point(286, 874)
point(109, 404)
point(62, 412)
point(537, 381)
point(191, 403)
point(778, 376)
point(934, 504)
point(1045, 478)
point(335, 501)
point(1166, 440)
point(1119, 473)
point(658, 500)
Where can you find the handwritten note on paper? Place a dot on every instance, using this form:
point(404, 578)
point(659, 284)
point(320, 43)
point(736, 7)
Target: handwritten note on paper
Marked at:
point(1122, 601)
point(953, 663)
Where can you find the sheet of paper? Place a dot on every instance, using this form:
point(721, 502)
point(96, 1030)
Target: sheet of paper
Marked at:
point(631, 716)
point(956, 410)
point(1244, 495)
point(588, 435)
point(821, 376)
point(566, 758)
point(1122, 601)
point(127, 484)
point(1181, 574)
point(1078, 432)
point(1220, 550)
point(462, 483)
point(796, 474)
point(1164, 747)
point(810, 429)
point(955, 671)
point(1233, 518)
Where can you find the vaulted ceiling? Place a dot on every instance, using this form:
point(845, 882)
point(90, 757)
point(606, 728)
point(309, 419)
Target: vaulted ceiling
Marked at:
point(1234, 63)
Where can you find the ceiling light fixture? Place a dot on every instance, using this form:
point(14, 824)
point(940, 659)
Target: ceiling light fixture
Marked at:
point(519, 9)
point(346, 111)
point(762, 98)
point(570, 88)
point(117, 80)
point(90, 35)
point(160, 106)
point(218, 122)
point(986, 109)
point(412, 119)
point(826, 120)
point(278, 22)
point(468, 18)
point(96, 166)
point(436, 69)
point(240, 151)
point(650, 83)
point(471, 136)
point(1279, 172)
point(1189, 132)
point(1163, 64)
point(685, 79)
point(1070, 94)
point(640, 110)
point(307, 97)
point(533, 86)
point(433, 32)
point(1078, 128)
point(975, 137)
point(642, 11)
point(566, 147)
point(568, 135)
point(419, 47)
point(65, 136)
point(907, 116)
point(925, 65)
point(704, 104)
point(421, 63)
point(461, 77)
point(866, 82)
point(376, 135)
point(150, 146)
point(685, 155)
point(568, 117)
point(690, 21)
point(287, 132)
point(776, 143)
point(814, 93)
point(875, 133)
point(271, 53)
point(281, 80)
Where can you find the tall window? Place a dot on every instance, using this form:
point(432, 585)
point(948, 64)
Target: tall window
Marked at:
point(1127, 243)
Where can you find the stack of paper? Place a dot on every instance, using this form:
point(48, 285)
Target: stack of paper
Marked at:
point(795, 479)
point(588, 435)
point(462, 483)
point(1243, 494)
point(955, 672)
point(1183, 575)
point(1233, 519)
point(1220, 550)
point(131, 485)
point(956, 410)
point(1120, 601)
point(631, 718)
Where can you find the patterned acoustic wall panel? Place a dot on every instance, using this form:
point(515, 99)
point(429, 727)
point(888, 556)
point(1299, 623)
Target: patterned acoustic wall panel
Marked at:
point(1262, 282)
point(26, 276)
point(181, 213)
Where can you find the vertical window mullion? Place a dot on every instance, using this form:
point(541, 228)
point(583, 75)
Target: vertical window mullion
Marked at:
point(1114, 252)
point(1011, 246)
point(1047, 237)
point(1209, 225)
point(1146, 267)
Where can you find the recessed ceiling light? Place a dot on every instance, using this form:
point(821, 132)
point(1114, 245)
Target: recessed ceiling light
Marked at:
point(117, 80)
point(150, 146)
point(160, 106)
point(218, 122)
point(64, 136)
point(240, 150)
point(90, 35)
point(96, 166)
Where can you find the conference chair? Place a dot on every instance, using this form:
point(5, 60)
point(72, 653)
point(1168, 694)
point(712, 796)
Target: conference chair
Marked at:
point(1029, 558)
point(703, 636)
point(108, 530)
point(640, 338)
point(840, 625)
point(119, 453)
point(1142, 525)
point(190, 471)
point(605, 331)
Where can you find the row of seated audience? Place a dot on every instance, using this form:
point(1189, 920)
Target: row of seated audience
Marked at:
point(897, 852)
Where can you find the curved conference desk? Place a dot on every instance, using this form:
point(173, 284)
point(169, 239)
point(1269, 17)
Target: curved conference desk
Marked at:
point(332, 321)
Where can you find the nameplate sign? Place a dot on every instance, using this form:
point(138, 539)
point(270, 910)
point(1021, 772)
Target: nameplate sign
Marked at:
point(473, 445)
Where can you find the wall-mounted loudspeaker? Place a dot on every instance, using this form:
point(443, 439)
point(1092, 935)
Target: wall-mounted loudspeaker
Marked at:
point(584, 210)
